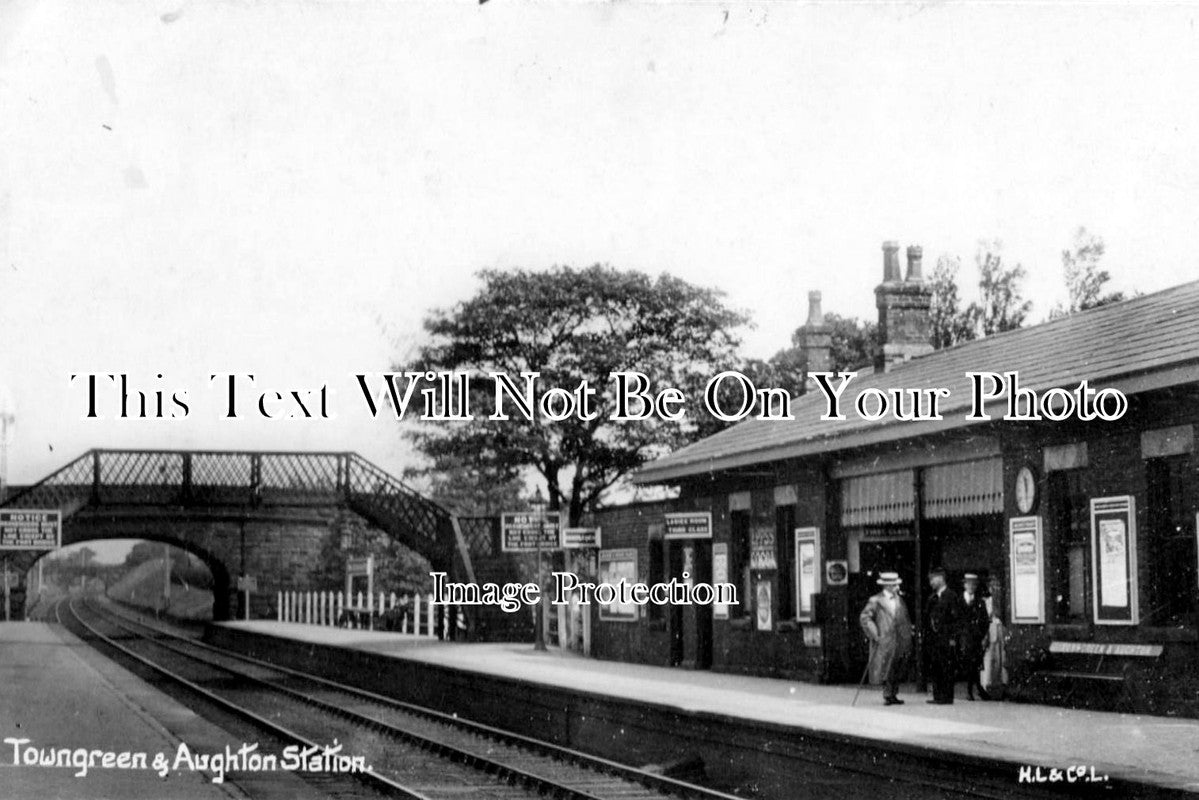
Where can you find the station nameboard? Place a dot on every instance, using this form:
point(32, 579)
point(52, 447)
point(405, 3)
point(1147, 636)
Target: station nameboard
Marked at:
point(30, 529)
point(689, 525)
point(578, 538)
point(520, 531)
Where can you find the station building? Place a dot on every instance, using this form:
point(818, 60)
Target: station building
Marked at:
point(1083, 530)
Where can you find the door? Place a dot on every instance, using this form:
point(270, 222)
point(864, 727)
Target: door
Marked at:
point(691, 626)
point(703, 613)
point(675, 612)
point(875, 557)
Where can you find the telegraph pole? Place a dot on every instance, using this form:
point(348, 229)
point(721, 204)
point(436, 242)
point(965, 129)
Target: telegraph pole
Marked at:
point(6, 419)
point(166, 585)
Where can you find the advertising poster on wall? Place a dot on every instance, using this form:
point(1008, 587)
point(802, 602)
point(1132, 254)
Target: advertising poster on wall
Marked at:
point(720, 574)
point(1024, 539)
point(1114, 560)
point(764, 605)
point(616, 566)
point(807, 575)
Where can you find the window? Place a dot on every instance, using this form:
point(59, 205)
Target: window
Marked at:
point(739, 561)
point(1171, 519)
point(784, 525)
point(1069, 518)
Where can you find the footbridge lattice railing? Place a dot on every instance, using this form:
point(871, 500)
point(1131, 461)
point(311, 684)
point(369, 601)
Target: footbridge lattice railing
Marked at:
point(252, 479)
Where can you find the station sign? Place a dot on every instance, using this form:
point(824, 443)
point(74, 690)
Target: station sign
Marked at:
point(360, 565)
point(689, 525)
point(30, 529)
point(522, 532)
point(579, 538)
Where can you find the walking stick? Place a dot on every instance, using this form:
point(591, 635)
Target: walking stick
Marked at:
point(865, 672)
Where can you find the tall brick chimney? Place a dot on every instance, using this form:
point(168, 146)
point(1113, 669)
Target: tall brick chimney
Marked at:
point(904, 319)
point(816, 338)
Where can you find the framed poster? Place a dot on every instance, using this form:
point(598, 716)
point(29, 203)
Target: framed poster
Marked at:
point(762, 547)
point(764, 605)
point(807, 575)
point(720, 574)
point(615, 566)
point(1114, 560)
point(1028, 567)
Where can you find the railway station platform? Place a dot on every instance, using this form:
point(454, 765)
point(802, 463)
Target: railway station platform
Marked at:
point(57, 692)
point(567, 695)
point(60, 694)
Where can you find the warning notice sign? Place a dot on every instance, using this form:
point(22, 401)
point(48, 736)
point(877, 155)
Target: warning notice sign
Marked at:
point(30, 529)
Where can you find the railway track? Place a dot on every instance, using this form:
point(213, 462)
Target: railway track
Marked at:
point(419, 752)
point(408, 751)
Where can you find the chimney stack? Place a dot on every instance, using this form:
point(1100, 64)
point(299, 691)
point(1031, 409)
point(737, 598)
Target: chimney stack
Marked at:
point(816, 338)
point(915, 267)
point(891, 262)
point(904, 316)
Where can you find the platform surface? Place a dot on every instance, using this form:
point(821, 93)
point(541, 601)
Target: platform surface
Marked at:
point(1158, 750)
point(58, 692)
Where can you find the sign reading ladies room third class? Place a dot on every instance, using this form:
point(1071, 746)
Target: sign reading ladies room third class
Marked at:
point(689, 525)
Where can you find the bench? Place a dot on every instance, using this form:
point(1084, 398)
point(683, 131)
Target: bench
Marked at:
point(1078, 664)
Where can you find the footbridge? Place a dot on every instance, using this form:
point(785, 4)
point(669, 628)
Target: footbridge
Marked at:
point(265, 514)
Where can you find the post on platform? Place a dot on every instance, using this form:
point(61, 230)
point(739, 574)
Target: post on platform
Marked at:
point(538, 503)
point(246, 585)
point(166, 578)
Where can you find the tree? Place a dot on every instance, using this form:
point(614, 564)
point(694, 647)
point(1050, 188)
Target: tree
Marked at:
point(467, 488)
point(1084, 279)
point(951, 323)
point(397, 568)
point(855, 343)
point(571, 325)
point(1001, 305)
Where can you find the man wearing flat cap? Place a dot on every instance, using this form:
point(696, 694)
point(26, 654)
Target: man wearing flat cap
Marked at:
point(886, 624)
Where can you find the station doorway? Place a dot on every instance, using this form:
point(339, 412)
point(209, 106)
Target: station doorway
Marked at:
point(690, 626)
point(891, 550)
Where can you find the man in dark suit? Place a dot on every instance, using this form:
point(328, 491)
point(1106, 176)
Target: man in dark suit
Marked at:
point(942, 629)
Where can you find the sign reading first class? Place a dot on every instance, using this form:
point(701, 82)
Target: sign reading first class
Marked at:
point(30, 529)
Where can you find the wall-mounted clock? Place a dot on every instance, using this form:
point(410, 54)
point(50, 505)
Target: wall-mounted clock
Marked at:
point(1026, 490)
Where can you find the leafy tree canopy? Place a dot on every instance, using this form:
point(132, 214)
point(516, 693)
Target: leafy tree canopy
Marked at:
point(1085, 281)
point(571, 325)
point(1001, 305)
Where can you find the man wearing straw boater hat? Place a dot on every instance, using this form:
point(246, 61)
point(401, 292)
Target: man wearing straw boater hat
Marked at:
point(886, 624)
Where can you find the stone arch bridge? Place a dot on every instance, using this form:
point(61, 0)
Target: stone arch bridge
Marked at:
point(244, 513)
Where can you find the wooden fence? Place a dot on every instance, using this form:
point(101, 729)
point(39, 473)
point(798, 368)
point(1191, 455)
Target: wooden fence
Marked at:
point(418, 615)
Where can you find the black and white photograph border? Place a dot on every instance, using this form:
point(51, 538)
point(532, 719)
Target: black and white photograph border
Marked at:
point(598, 399)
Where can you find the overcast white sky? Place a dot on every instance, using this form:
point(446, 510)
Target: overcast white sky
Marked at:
point(284, 188)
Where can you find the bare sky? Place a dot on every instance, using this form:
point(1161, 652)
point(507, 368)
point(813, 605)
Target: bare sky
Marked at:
point(285, 188)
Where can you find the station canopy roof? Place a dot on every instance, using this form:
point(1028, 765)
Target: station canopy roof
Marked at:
point(1138, 345)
